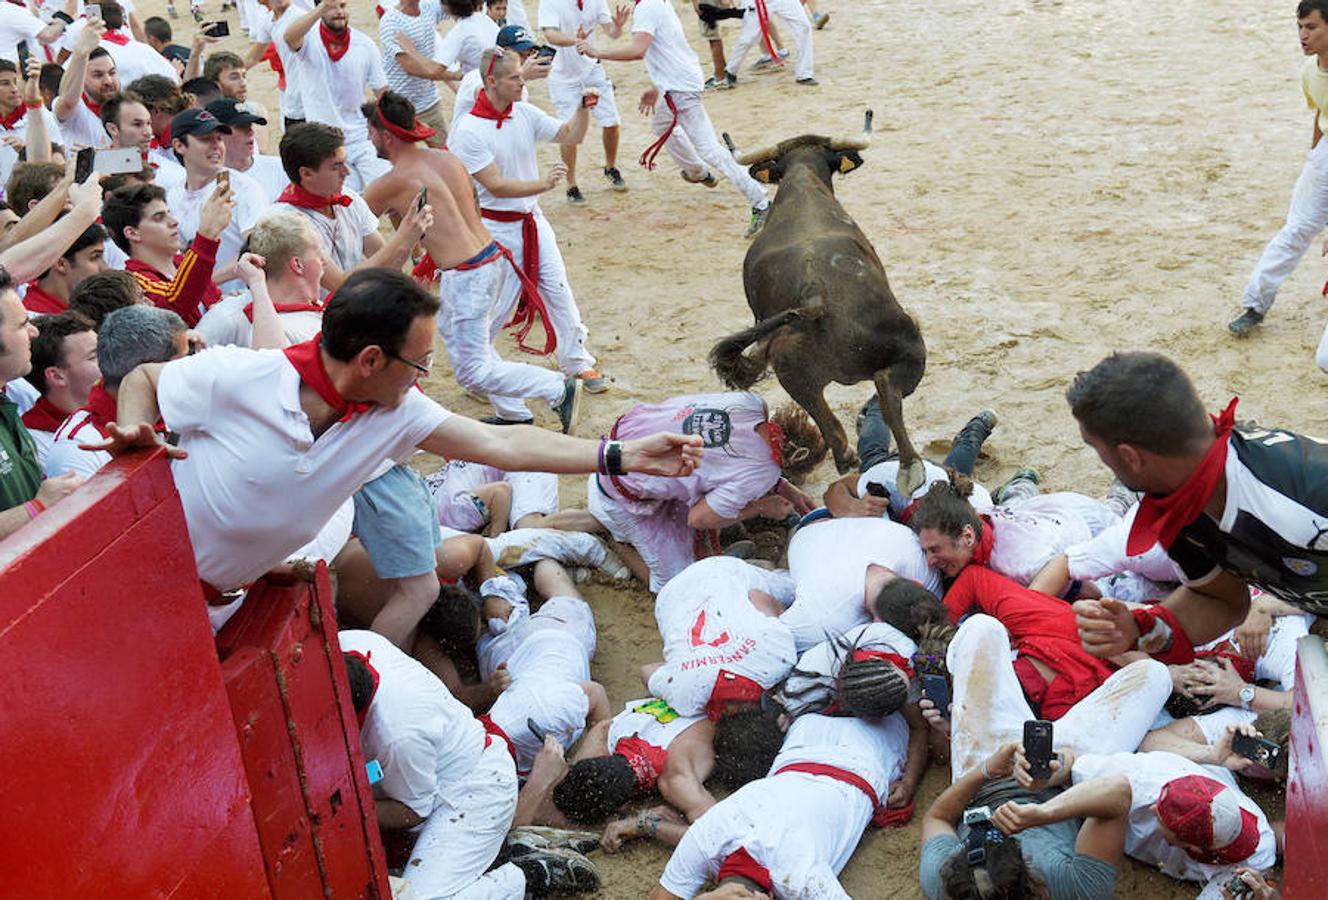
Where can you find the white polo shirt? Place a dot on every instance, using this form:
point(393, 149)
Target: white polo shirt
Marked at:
point(570, 67)
point(83, 127)
point(466, 41)
point(257, 485)
point(65, 455)
point(670, 60)
point(342, 235)
point(478, 142)
point(332, 92)
point(250, 204)
point(426, 740)
point(227, 324)
point(267, 171)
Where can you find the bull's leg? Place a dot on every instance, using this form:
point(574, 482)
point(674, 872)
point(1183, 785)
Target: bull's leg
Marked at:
point(911, 471)
point(811, 397)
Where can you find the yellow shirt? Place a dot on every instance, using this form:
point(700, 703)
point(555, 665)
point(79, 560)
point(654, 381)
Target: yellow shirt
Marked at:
point(1314, 82)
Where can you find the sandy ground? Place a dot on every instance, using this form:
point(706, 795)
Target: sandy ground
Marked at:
point(1049, 181)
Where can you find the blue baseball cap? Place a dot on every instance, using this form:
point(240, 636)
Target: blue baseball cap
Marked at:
point(516, 37)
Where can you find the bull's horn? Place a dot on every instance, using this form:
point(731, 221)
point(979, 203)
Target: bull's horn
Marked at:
point(747, 157)
point(728, 142)
point(856, 143)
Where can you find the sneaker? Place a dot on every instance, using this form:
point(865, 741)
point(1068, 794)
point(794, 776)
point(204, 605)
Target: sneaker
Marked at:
point(592, 382)
point(808, 82)
point(764, 61)
point(711, 83)
point(540, 837)
point(1000, 495)
point(1120, 498)
point(615, 178)
point(554, 871)
point(988, 419)
point(499, 420)
point(575, 197)
point(741, 549)
point(757, 221)
point(1244, 324)
point(569, 407)
point(709, 180)
point(613, 565)
point(170, 11)
point(820, 20)
point(730, 81)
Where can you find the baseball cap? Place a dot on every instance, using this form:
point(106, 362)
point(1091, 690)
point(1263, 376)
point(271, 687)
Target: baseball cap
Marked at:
point(196, 121)
point(232, 112)
point(517, 38)
point(1205, 813)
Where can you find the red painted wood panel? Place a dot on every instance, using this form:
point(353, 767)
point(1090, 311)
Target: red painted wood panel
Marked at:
point(1305, 868)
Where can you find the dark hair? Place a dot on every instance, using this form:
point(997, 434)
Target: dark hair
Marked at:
point(943, 509)
point(124, 209)
point(7, 66)
point(48, 347)
point(158, 93)
point(746, 744)
point(157, 27)
point(97, 296)
point(594, 788)
point(92, 236)
point(202, 90)
point(1009, 872)
point(110, 110)
point(454, 619)
point(803, 447)
point(31, 181)
point(6, 284)
point(51, 74)
point(361, 682)
point(396, 108)
point(112, 183)
point(462, 8)
point(373, 307)
point(908, 606)
point(871, 688)
point(112, 14)
point(308, 145)
point(1305, 7)
point(1143, 399)
point(98, 53)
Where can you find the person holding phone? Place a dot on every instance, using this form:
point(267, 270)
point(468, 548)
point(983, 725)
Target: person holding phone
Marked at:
point(133, 58)
point(19, 97)
point(90, 79)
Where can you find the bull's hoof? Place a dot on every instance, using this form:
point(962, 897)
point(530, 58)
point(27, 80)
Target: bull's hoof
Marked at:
point(846, 462)
point(911, 478)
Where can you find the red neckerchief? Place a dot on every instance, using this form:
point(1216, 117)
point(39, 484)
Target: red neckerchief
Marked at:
point(730, 687)
point(741, 864)
point(493, 728)
point(1160, 519)
point(982, 552)
point(336, 45)
point(775, 437)
point(485, 110)
point(882, 815)
point(861, 654)
point(362, 714)
point(162, 141)
point(299, 196)
point(44, 416)
point(115, 37)
point(271, 57)
point(95, 107)
point(8, 122)
point(313, 306)
point(100, 408)
point(41, 301)
point(1225, 650)
point(308, 361)
point(646, 760)
point(648, 157)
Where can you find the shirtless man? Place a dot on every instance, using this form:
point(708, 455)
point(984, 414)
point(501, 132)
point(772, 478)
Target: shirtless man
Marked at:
point(461, 248)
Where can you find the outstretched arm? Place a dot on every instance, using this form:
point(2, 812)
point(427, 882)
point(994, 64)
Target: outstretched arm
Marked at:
point(690, 761)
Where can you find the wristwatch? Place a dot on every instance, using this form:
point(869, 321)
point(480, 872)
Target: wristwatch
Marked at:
point(1246, 696)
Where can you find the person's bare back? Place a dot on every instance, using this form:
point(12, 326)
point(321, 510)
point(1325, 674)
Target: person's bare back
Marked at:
point(457, 233)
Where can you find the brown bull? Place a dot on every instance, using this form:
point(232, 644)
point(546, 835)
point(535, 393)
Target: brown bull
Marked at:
point(823, 306)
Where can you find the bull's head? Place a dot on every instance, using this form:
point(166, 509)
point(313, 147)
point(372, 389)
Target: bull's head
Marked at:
point(828, 155)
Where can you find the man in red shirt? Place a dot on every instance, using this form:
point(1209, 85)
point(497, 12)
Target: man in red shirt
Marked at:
point(64, 369)
point(49, 293)
point(142, 226)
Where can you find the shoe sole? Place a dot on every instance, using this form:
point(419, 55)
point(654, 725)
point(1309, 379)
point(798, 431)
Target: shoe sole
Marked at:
point(593, 385)
point(570, 426)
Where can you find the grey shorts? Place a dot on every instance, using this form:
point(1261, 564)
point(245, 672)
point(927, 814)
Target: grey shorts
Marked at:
point(396, 522)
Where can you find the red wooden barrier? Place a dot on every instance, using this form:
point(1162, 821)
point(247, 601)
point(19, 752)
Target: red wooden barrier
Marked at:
point(1306, 866)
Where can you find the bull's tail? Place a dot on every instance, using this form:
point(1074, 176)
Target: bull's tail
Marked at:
point(737, 370)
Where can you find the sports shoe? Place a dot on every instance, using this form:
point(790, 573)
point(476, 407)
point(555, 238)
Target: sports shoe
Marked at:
point(575, 197)
point(613, 566)
point(540, 837)
point(569, 407)
point(1120, 498)
point(808, 82)
point(709, 179)
point(615, 178)
point(730, 81)
point(711, 83)
point(499, 420)
point(764, 61)
point(1002, 493)
point(820, 20)
point(592, 382)
point(757, 221)
point(552, 871)
point(1245, 322)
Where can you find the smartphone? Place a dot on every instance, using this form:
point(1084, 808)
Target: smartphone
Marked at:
point(374, 769)
point(936, 689)
point(118, 161)
point(1237, 888)
point(1263, 751)
point(217, 29)
point(876, 489)
point(224, 178)
point(1037, 748)
point(83, 164)
point(92, 10)
point(539, 733)
point(545, 52)
point(422, 199)
point(24, 54)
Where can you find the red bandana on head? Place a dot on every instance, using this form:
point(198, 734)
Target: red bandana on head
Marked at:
point(336, 43)
point(731, 688)
point(420, 132)
point(1160, 519)
point(485, 110)
point(308, 361)
point(361, 714)
point(646, 760)
point(895, 658)
point(296, 195)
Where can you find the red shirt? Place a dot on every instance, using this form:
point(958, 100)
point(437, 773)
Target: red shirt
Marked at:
point(1042, 628)
point(192, 290)
point(46, 304)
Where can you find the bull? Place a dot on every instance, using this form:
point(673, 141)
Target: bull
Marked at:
point(823, 305)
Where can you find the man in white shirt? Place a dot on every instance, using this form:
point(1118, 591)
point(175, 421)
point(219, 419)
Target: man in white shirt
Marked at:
point(335, 64)
point(472, 34)
point(129, 124)
point(502, 162)
point(411, 69)
point(133, 59)
point(90, 79)
point(14, 111)
point(241, 147)
point(272, 29)
point(18, 24)
point(64, 371)
point(756, 25)
point(564, 22)
point(514, 37)
point(682, 124)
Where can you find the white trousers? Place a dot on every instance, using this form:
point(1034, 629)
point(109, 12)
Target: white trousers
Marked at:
point(791, 13)
point(989, 708)
point(473, 314)
point(694, 145)
point(364, 164)
point(523, 546)
point(573, 357)
point(666, 542)
point(1305, 219)
point(458, 842)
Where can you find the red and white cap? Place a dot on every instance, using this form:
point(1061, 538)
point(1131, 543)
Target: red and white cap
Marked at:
point(1204, 813)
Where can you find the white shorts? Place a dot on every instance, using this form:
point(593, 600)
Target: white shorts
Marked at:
point(566, 97)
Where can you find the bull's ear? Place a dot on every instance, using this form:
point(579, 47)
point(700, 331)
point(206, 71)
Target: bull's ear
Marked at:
point(768, 171)
point(846, 161)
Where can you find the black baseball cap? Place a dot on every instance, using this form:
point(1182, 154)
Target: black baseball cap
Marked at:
point(232, 112)
point(196, 121)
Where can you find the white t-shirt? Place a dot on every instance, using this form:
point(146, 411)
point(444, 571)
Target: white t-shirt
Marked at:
point(1104, 554)
point(136, 59)
point(65, 455)
point(20, 129)
point(250, 204)
point(342, 235)
point(466, 91)
point(887, 474)
point(643, 719)
point(829, 560)
point(670, 60)
point(17, 24)
point(274, 31)
point(1032, 532)
point(422, 31)
point(803, 828)
point(478, 142)
point(425, 739)
point(466, 41)
point(333, 92)
point(83, 128)
point(226, 323)
point(568, 65)
point(267, 171)
point(238, 415)
point(811, 685)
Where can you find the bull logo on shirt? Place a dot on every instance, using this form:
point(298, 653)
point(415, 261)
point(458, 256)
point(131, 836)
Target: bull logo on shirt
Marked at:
point(698, 633)
point(712, 425)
